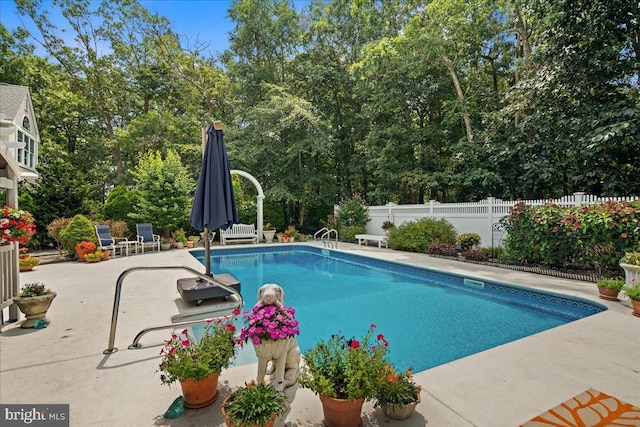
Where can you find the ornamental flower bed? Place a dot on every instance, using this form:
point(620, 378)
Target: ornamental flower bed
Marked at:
point(17, 225)
point(269, 322)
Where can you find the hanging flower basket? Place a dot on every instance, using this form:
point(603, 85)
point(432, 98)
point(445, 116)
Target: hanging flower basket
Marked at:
point(17, 225)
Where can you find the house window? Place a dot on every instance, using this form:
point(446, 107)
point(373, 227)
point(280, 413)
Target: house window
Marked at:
point(25, 123)
point(27, 154)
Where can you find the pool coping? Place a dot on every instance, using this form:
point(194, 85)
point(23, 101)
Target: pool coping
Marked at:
point(503, 386)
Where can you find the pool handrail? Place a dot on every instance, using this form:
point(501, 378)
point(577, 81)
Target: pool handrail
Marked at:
point(118, 293)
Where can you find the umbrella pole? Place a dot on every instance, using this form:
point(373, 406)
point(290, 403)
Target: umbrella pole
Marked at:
point(207, 252)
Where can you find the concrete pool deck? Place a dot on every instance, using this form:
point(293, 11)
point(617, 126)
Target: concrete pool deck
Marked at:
point(503, 386)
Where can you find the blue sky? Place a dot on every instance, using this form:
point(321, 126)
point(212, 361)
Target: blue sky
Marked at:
point(205, 20)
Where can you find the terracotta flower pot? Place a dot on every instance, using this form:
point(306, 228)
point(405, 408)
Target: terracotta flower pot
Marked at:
point(608, 294)
point(341, 412)
point(636, 307)
point(106, 255)
point(230, 424)
point(190, 244)
point(198, 394)
point(26, 267)
point(34, 308)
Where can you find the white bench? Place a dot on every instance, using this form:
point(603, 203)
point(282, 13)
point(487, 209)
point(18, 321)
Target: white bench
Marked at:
point(367, 237)
point(239, 233)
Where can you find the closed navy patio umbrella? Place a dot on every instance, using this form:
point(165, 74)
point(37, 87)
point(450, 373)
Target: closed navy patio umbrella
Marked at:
point(214, 204)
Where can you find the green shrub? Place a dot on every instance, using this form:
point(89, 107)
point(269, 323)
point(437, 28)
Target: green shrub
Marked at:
point(416, 236)
point(468, 240)
point(121, 204)
point(78, 230)
point(55, 228)
point(551, 235)
point(352, 212)
point(348, 234)
point(444, 249)
point(615, 283)
point(495, 252)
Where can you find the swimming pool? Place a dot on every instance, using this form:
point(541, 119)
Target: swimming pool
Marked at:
point(428, 317)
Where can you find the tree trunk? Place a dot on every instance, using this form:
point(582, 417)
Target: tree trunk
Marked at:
point(456, 83)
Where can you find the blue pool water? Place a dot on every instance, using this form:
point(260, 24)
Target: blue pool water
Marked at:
point(428, 317)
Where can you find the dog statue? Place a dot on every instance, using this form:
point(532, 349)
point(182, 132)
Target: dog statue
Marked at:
point(279, 358)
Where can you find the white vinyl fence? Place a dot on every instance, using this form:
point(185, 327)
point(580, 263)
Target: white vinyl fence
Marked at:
point(481, 217)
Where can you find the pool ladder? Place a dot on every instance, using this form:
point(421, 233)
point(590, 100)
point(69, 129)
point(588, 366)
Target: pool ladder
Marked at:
point(325, 237)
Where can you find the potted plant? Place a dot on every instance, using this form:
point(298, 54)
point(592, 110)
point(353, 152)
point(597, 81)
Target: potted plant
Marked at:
point(344, 373)
point(93, 256)
point(27, 263)
point(255, 404)
point(398, 395)
point(291, 233)
point(632, 290)
point(268, 231)
point(33, 301)
point(609, 288)
point(630, 262)
point(83, 248)
point(165, 244)
point(180, 237)
point(272, 328)
point(197, 364)
point(269, 322)
point(192, 241)
point(280, 237)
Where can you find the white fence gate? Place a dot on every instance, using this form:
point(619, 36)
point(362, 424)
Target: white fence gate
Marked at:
point(481, 217)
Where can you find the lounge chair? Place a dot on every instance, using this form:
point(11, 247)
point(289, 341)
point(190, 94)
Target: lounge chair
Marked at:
point(146, 237)
point(106, 241)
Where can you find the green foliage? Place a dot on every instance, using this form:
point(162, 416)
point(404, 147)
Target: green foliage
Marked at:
point(245, 202)
point(632, 258)
point(615, 283)
point(78, 230)
point(416, 236)
point(352, 211)
point(596, 234)
point(35, 289)
point(55, 227)
point(273, 214)
point(495, 252)
point(30, 260)
point(254, 404)
point(345, 368)
point(165, 191)
point(343, 98)
point(468, 240)
point(348, 233)
point(632, 290)
point(120, 204)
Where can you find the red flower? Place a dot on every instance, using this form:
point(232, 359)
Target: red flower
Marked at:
point(354, 344)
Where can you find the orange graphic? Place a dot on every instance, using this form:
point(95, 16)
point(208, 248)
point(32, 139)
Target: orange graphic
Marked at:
point(589, 409)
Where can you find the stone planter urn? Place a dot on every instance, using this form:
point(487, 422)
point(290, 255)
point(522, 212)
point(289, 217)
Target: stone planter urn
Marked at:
point(268, 235)
point(631, 272)
point(34, 308)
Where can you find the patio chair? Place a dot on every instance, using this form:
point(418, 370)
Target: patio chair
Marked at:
point(106, 241)
point(146, 237)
